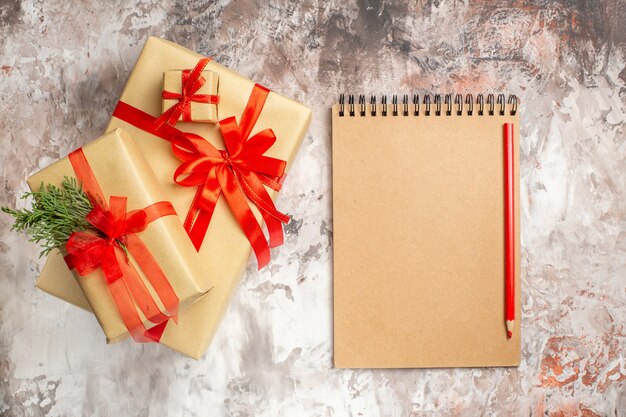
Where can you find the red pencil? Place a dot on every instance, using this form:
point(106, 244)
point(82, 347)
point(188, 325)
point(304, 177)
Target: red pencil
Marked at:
point(509, 228)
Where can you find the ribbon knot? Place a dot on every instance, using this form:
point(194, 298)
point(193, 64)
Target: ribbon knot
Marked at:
point(227, 158)
point(115, 222)
point(191, 82)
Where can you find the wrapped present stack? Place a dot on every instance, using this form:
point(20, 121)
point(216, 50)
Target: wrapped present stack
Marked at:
point(177, 193)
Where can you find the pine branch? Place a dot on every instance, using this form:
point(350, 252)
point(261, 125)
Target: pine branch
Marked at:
point(56, 213)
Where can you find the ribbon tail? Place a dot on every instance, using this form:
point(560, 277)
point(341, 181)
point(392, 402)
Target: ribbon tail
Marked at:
point(274, 230)
point(170, 116)
point(274, 226)
point(275, 183)
point(200, 226)
point(154, 274)
point(127, 311)
point(186, 114)
point(257, 193)
point(201, 210)
point(141, 296)
point(122, 298)
point(245, 217)
point(192, 218)
point(154, 334)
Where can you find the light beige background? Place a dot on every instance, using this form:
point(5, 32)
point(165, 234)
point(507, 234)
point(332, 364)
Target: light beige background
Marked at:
point(62, 67)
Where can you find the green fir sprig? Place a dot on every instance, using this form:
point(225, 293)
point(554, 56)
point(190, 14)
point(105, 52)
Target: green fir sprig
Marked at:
point(55, 214)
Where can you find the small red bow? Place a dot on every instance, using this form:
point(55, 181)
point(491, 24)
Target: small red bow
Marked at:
point(240, 172)
point(87, 252)
point(191, 82)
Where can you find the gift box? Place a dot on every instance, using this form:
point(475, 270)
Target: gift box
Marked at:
point(224, 246)
point(160, 268)
point(197, 103)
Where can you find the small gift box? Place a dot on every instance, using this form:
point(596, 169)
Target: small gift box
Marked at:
point(204, 170)
point(134, 264)
point(190, 96)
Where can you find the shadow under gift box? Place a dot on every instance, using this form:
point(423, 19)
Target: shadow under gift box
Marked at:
point(121, 170)
point(225, 248)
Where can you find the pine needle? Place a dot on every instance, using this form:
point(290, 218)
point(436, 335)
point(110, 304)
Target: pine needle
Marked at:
point(56, 213)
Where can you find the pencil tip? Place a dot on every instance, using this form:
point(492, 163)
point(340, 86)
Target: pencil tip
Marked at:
point(509, 328)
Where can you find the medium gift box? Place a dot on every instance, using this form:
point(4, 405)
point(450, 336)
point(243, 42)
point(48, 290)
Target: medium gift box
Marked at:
point(221, 178)
point(136, 267)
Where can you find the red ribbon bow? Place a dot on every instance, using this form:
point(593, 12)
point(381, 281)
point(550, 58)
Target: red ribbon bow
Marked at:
point(238, 172)
point(191, 82)
point(118, 229)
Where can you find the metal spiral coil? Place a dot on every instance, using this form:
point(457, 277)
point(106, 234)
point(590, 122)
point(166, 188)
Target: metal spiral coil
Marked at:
point(493, 105)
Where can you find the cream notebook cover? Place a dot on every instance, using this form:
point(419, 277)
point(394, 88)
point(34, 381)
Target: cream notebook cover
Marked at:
point(418, 233)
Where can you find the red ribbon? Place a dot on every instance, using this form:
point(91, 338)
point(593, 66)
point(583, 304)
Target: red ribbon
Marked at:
point(240, 172)
point(191, 82)
point(109, 250)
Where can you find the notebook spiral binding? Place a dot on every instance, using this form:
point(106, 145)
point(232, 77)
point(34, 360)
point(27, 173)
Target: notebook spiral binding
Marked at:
point(413, 108)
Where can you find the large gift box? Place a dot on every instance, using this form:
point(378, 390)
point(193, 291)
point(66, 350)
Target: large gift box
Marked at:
point(156, 271)
point(246, 111)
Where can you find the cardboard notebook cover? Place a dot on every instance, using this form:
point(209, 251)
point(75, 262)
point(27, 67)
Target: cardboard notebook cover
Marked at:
point(418, 241)
point(120, 169)
point(225, 248)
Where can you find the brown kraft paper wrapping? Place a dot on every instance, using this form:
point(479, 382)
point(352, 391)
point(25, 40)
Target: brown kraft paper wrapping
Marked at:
point(121, 170)
point(225, 248)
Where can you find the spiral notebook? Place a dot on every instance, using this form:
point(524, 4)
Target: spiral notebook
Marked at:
point(418, 232)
